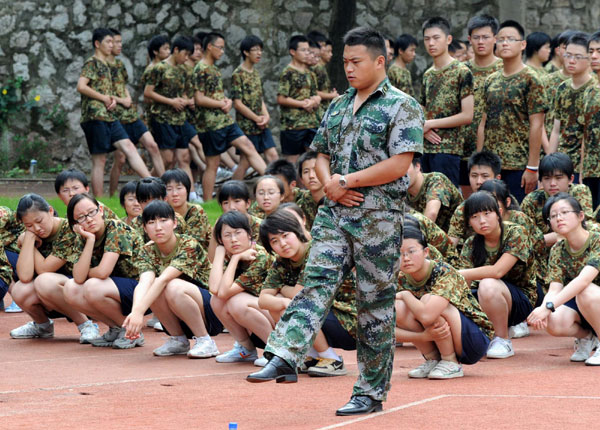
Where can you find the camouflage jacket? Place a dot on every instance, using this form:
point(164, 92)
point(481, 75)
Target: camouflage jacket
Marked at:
point(591, 132)
point(251, 275)
point(198, 225)
point(566, 264)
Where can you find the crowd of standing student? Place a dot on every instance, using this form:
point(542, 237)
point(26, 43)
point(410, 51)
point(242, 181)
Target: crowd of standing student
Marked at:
point(464, 215)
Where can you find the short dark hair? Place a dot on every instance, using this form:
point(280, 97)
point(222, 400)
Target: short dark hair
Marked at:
point(535, 41)
point(328, 42)
point(234, 189)
point(178, 176)
point(128, 188)
point(99, 35)
point(317, 36)
point(71, 206)
point(391, 41)
point(556, 162)
point(575, 205)
point(295, 40)
point(211, 38)
point(482, 21)
point(294, 207)
point(155, 43)
point(403, 42)
point(308, 155)
point(284, 168)
point(499, 189)
point(372, 39)
point(564, 37)
point(513, 24)
point(233, 219)
point(278, 181)
point(485, 158)
point(157, 209)
point(150, 188)
point(29, 202)
point(579, 38)
point(65, 175)
point(553, 45)
point(481, 201)
point(248, 43)
point(437, 22)
point(412, 231)
point(278, 222)
point(594, 37)
point(114, 31)
point(454, 46)
point(182, 43)
point(200, 35)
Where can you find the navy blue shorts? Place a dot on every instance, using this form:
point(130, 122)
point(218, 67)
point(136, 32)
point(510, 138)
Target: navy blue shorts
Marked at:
point(584, 323)
point(295, 142)
point(3, 289)
point(213, 325)
point(12, 259)
point(257, 341)
point(464, 173)
point(512, 178)
point(540, 295)
point(126, 287)
point(169, 136)
point(594, 186)
point(100, 135)
point(336, 334)
point(261, 142)
point(189, 132)
point(218, 141)
point(135, 130)
point(474, 341)
point(521, 306)
point(448, 164)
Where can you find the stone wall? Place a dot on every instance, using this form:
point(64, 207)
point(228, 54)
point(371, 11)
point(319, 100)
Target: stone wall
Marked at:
point(46, 42)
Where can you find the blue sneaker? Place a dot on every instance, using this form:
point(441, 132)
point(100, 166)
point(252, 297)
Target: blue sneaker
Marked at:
point(237, 354)
point(13, 308)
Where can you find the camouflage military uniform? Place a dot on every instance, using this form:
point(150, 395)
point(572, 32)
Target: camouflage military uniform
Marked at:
point(10, 229)
point(247, 87)
point(551, 83)
point(5, 270)
point(444, 280)
point(189, 257)
point(108, 212)
point(255, 227)
point(565, 265)
point(509, 101)
point(146, 116)
point(591, 137)
point(367, 237)
point(550, 67)
point(60, 245)
point(568, 109)
point(251, 275)
point(305, 201)
point(138, 225)
point(323, 85)
point(168, 81)
point(443, 91)
point(436, 237)
point(207, 80)
point(400, 78)
point(436, 186)
point(100, 80)
point(119, 79)
point(191, 115)
point(297, 85)
point(255, 211)
point(515, 242)
point(198, 225)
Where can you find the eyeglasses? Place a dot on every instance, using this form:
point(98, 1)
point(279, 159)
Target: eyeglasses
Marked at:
point(270, 193)
point(508, 40)
point(220, 48)
point(410, 253)
point(562, 214)
point(482, 38)
point(256, 50)
point(577, 57)
point(91, 214)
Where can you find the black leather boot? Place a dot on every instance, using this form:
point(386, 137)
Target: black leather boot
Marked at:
point(278, 369)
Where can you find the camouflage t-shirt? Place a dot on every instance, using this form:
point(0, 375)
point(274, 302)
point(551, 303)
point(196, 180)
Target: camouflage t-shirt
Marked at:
point(436, 186)
point(388, 123)
point(533, 204)
point(255, 211)
point(566, 264)
point(251, 275)
point(401, 78)
point(6, 270)
point(108, 212)
point(60, 245)
point(591, 132)
point(100, 80)
point(305, 201)
point(297, 85)
point(509, 102)
point(550, 67)
point(551, 83)
point(120, 79)
point(247, 87)
point(443, 280)
point(323, 85)
point(515, 242)
point(435, 236)
point(168, 81)
point(568, 109)
point(138, 225)
point(10, 229)
point(198, 225)
point(480, 74)
point(189, 257)
point(190, 114)
point(443, 91)
point(147, 102)
point(118, 237)
point(207, 80)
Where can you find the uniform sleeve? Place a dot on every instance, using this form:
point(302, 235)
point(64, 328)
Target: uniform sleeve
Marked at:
point(274, 279)
point(320, 142)
point(119, 239)
point(199, 227)
point(516, 243)
point(457, 223)
point(284, 84)
point(465, 261)
point(584, 196)
point(438, 189)
point(423, 99)
point(89, 70)
point(406, 131)
point(446, 282)
point(536, 96)
point(199, 80)
point(155, 75)
point(254, 277)
point(192, 261)
point(466, 83)
point(143, 261)
point(555, 265)
point(236, 86)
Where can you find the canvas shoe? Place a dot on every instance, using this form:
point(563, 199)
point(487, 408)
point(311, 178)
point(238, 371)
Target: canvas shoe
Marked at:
point(158, 326)
point(594, 360)
point(107, 339)
point(237, 354)
point(307, 363)
point(583, 348)
point(328, 367)
point(446, 370)
point(172, 346)
point(13, 308)
point(204, 348)
point(123, 343)
point(151, 322)
point(261, 362)
point(423, 370)
point(32, 330)
point(89, 330)
point(500, 348)
point(518, 331)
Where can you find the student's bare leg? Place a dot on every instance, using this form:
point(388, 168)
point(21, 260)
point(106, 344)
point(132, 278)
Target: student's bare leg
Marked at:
point(292, 158)
point(247, 148)
point(406, 320)
point(196, 158)
point(451, 346)
point(134, 159)
point(49, 287)
point(24, 295)
point(97, 177)
point(238, 332)
point(243, 308)
point(168, 155)
point(183, 160)
point(271, 155)
point(185, 300)
point(227, 160)
point(152, 147)
point(496, 302)
point(208, 179)
point(115, 172)
point(198, 150)
point(588, 302)
point(240, 172)
point(235, 157)
point(75, 299)
point(160, 309)
point(103, 296)
point(565, 322)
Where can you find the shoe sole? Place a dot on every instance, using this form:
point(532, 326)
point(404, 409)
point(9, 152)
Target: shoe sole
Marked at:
point(32, 337)
point(417, 376)
point(325, 373)
point(202, 356)
point(241, 360)
point(129, 346)
point(377, 408)
point(283, 379)
point(500, 356)
point(454, 375)
point(169, 354)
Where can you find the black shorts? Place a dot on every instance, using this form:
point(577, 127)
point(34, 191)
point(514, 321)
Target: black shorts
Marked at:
point(463, 174)
point(126, 287)
point(169, 136)
point(218, 141)
point(12, 258)
point(101, 135)
point(521, 307)
point(213, 325)
point(3, 289)
point(135, 130)
point(336, 334)
point(584, 323)
point(474, 341)
point(262, 141)
point(189, 132)
point(295, 142)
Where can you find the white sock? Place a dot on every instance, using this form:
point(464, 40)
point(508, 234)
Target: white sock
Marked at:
point(182, 339)
point(330, 353)
point(82, 325)
point(207, 337)
point(193, 195)
point(312, 353)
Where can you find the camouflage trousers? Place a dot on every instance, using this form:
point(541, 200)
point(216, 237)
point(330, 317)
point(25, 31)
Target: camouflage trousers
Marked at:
point(344, 238)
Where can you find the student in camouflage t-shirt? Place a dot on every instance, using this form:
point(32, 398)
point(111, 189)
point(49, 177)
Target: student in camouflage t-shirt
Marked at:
point(309, 202)
point(449, 302)
point(591, 119)
point(159, 49)
point(404, 54)
point(325, 89)
point(574, 267)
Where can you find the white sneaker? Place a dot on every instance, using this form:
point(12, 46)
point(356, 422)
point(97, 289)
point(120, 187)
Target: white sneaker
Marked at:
point(13, 308)
point(500, 348)
point(89, 330)
point(423, 370)
point(583, 348)
point(204, 348)
point(594, 360)
point(237, 354)
point(108, 338)
point(446, 370)
point(151, 322)
point(172, 346)
point(519, 330)
point(32, 330)
point(261, 362)
point(158, 326)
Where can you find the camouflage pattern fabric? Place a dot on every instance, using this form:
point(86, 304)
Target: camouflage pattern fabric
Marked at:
point(591, 135)
point(457, 223)
point(146, 116)
point(247, 87)
point(6, 270)
point(10, 229)
point(207, 80)
point(250, 275)
point(565, 265)
point(401, 78)
point(305, 201)
point(443, 91)
point(108, 212)
point(443, 280)
point(198, 225)
point(100, 80)
point(255, 227)
point(192, 115)
point(551, 83)
point(168, 81)
point(119, 80)
point(550, 67)
point(323, 85)
point(297, 85)
point(509, 101)
point(285, 272)
point(435, 236)
point(255, 211)
point(61, 246)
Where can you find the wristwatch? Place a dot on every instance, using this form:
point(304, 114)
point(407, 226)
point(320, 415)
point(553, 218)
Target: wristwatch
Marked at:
point(343, 182)
point(550, 306)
